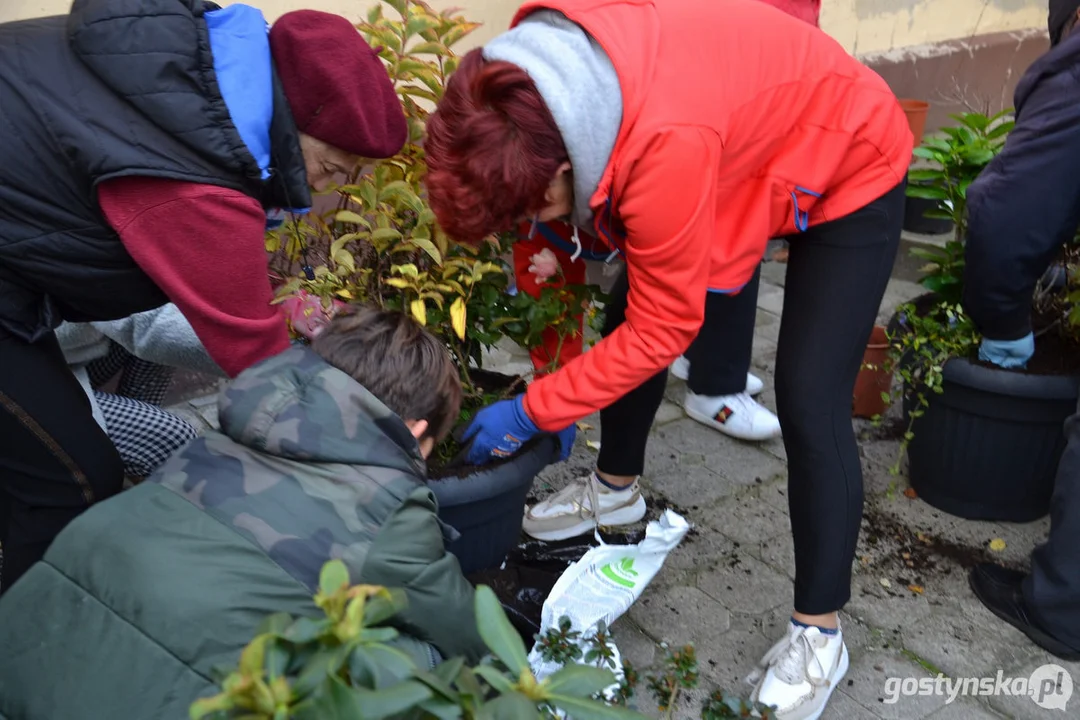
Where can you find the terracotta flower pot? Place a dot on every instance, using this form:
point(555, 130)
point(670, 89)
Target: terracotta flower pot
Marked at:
point(916, 111)
point(873, 379)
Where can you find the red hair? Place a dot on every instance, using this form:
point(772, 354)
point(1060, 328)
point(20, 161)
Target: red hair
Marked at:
point(492, 149)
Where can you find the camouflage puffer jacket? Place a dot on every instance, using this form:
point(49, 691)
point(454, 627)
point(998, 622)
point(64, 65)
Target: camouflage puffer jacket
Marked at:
point(143, 595)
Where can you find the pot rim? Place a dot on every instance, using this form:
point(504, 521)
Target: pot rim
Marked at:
point(962, 371)
point(492, 481)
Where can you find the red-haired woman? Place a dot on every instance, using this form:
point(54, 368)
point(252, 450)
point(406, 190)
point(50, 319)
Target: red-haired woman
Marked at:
point(687, 134)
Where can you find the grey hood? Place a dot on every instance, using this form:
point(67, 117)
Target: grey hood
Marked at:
point(580, 87)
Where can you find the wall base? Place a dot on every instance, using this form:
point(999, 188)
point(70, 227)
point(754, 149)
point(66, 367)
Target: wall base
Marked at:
point(974, 74)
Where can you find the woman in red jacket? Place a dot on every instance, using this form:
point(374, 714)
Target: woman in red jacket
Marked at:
point(687, 134)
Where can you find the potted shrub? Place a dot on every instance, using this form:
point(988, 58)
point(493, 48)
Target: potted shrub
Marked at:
point(380, 244)
point(982, 442)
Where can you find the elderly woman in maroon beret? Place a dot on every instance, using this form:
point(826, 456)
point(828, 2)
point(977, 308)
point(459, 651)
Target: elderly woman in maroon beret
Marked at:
point(146, 148)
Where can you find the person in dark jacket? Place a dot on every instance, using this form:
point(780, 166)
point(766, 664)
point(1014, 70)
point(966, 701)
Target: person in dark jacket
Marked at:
point(1023, 207)
point(147, 146)
point(320, 455)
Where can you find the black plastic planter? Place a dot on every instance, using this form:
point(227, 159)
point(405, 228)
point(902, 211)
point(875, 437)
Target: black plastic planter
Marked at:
point(915, 219)
point(487, 506)
point(988, 447)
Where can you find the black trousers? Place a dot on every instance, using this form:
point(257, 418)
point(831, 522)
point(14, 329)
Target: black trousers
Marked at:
point(55, 460)
point(1052, 590)
point(836, 278)
point(719, 360)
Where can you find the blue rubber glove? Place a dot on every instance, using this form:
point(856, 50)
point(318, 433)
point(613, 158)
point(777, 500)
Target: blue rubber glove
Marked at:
point(500, 429)
point(1008, 353)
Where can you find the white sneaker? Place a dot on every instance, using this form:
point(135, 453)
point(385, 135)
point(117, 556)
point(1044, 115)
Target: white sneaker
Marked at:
point(681, 369)
point(739, 416)
point(569, 512)
point(800, 672)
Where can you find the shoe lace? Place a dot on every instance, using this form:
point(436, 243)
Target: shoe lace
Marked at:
point(791, 660)
point(576, 493)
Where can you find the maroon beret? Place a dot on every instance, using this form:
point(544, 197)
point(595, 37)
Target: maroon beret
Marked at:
point(337, 86)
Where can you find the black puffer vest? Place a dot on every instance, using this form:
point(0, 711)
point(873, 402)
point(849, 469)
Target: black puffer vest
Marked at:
point(117, 88)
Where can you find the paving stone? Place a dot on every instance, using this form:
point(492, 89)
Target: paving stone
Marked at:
point(879, 608)
point(746, 585)
point(680, 615)
point(685, 445)
point(771, 298)
point(1020, 540)
point(767, 324)
point(747, 520)
point(775, 494)
point(778, 553)
point(689, 486)
point(763, 354)
point(701, 550)
point(966, 643)
point(1024, 707)
point(668, 412)
point(728, 663)
point(868, 675)
point(774, 273)
point(964, 710)
point(843, 707)
point(634, 645)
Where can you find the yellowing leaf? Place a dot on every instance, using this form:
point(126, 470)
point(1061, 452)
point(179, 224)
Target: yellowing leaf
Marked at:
point(385, 235)
point(997, 545)
point(400, 283)
point(419, 311)
point(885, 583)
point(457, 317)
point(917, 589)
point(584, 426)
point(344, 294)
point(593, 445)
point(348, 216)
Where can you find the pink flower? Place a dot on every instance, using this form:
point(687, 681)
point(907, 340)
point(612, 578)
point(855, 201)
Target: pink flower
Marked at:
point(306, 315)
point(544, 264)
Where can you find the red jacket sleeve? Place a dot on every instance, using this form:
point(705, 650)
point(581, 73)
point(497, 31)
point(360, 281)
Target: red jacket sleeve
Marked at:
point(203, 246)
point(668, 209)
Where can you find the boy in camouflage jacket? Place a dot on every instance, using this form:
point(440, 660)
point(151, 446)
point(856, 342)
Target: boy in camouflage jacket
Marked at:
point(320, 455)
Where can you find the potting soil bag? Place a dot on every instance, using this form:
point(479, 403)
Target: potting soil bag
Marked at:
point(606, 581)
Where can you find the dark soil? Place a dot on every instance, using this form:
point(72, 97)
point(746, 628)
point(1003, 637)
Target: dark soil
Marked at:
point(1055, 353)
point(448, 459)
point(889, 429)
point(914, 556)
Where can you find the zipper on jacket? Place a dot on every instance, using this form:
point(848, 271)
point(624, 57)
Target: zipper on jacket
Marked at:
point(603, 227)
point(802, 219)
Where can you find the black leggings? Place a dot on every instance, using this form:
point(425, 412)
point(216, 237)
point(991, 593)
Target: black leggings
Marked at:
point(55, 460)
point(719, 360)
point(836, 278)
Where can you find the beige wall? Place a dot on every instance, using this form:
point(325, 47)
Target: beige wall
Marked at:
point(862, 26)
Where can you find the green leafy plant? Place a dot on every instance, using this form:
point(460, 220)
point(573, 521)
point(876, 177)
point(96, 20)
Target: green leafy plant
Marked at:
point(929, 336)
point(956, 160)
point(918, 354)
point(381, 243)
point(344, 665)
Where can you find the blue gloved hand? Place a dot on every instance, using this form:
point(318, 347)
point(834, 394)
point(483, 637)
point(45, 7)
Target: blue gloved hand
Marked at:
point(500, 429)
point(1008, 353)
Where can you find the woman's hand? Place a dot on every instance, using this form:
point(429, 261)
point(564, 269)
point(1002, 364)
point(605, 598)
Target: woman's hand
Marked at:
point(500, 429)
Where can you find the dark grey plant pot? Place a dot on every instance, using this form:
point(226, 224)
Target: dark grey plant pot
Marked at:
point(988, 446)
point(487, 506)
point(915, 219)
